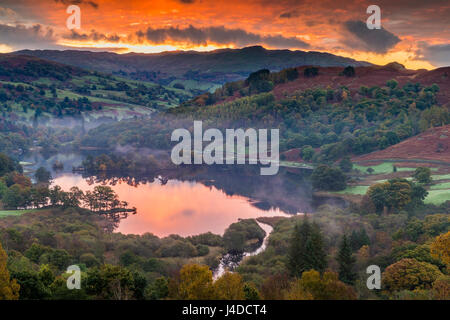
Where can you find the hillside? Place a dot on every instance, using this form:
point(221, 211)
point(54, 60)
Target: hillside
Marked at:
point(218, 67)
point(332, 78)
point(369, 77)
point(35, 83)
point(433, 144)
point(27, 68)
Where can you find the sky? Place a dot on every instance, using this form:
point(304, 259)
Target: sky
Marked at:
point(415, 33)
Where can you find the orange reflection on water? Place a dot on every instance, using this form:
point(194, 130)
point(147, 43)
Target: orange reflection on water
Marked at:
point(184, 208)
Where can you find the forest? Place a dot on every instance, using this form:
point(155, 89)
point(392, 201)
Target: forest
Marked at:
point(314, 256)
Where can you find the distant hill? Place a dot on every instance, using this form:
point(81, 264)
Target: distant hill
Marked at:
point(219, 66)
point(433, 144)
point(30, 84)
point(19, 67)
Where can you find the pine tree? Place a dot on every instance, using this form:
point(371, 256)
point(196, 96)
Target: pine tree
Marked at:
point(307, 249)
point(346, 262)
point(9, 289)
point(359, 239)
point(316, 251)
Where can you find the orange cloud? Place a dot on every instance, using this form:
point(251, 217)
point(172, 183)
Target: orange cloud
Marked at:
point(149, 26)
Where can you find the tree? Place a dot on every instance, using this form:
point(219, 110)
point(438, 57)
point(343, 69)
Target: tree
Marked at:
point(359, 239)
point(159, 289)
point(325, 287)
point(9, 288)
point(17, 197)
point(422, 175)
point(306, 250)
point(250, 292)
point(395, 194)
point(7, 165)
point(229, 287)
point(346, 262)
point(46, 275)
point(392, 84)
point(42, 175)
point(409, 274)
point(31, 286)
point(328, 178)
point(311, 72)
point(346, 164)
point(349, 71)
point(440, 248)
point(195, 283)
point(441, 288)
point(307, 153)
point(110, 282)
point(297, 292)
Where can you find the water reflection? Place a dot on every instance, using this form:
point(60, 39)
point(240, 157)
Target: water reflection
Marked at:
point(193, 202)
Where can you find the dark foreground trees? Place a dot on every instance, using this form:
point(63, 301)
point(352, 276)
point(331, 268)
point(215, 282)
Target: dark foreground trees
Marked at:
point(346, 262)
point(306, 250)
point(9, 289)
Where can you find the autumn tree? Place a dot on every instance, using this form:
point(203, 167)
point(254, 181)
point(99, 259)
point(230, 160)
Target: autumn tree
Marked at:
point(324, 287)
point(441, 288)
point(9, 288)
point(440, 248)
point(195, 282)
point(230, 286)
point(409, 274)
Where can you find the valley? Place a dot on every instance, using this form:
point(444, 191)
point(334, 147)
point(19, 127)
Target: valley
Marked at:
point(86, 176)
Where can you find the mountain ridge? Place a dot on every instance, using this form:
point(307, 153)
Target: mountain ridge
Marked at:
point(218, 66)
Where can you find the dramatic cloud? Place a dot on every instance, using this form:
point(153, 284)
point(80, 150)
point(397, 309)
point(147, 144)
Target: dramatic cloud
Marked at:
point(21, 37)
point(438, 55)
point(79, 2)
point(376, 40)
point(93, 36)
point(218, 35)
point(7, 14)
point(289, 14)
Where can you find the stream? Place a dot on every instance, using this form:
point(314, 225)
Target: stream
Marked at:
point(229, 262)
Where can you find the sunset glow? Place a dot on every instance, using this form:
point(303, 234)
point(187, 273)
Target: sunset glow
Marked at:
point(413, 33)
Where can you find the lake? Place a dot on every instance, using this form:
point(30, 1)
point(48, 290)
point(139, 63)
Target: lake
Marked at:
point(188, 202)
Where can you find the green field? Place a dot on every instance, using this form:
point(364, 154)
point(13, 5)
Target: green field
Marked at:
point(441, 177)
point(385, 167)
point(437, 196)
point(8, 213)
point(441, 186)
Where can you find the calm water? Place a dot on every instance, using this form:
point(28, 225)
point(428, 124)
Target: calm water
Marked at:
point(177, 207)
point(191, 200)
